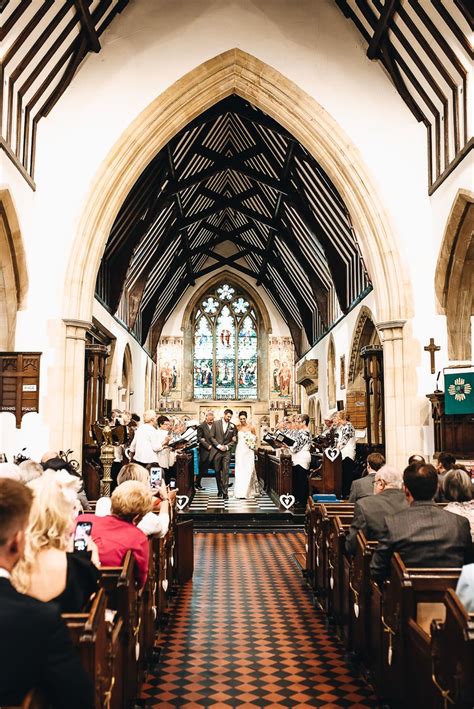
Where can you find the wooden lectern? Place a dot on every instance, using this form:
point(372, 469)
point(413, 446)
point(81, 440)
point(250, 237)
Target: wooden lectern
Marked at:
point(330, 479)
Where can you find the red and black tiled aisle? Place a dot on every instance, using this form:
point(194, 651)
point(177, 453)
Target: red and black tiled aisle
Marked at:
point(245, 633)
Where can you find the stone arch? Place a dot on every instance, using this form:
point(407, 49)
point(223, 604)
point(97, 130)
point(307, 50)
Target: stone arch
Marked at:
point(263, 321)
point(454, 277)
point(365, 333)
point(235, 71)
point(126, 385)
point(13, 271)
point(331, 373)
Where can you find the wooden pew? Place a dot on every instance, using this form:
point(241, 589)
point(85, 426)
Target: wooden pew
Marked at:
point(280, 476)
point(33, 700)
point(360, 597)
point(318, 526)
point(338, 569)
point(412, 595)
point(185, 474)
point(123, 597)
point(89, 634)
point(452, 655)
point(261, 465)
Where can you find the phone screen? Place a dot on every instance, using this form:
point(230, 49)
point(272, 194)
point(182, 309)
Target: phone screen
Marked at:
point(82, 536)
point(172, 484)
point(156, 475)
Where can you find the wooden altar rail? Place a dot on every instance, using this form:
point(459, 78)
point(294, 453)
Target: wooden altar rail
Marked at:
point(275, 473)
point(413, 636)
point(115, 652)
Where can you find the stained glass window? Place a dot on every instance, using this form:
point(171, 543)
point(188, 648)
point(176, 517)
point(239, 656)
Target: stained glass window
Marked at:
point(225, 346)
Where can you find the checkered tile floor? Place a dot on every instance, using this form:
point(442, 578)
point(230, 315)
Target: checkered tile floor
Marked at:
point(245, 634)
point(207, 501)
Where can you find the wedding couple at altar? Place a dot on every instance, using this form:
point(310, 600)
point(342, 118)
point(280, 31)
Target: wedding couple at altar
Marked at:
point(217, 440)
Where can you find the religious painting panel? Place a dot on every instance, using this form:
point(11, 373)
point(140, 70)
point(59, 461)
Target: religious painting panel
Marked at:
point(281, 367)
point(170, 369)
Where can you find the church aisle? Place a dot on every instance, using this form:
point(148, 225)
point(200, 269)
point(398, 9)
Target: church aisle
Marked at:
point(245, 633)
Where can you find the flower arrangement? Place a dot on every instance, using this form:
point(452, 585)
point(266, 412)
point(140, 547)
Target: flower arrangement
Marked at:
point(250, 440)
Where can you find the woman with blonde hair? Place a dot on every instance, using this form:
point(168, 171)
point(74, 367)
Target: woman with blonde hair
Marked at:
point(49, 571)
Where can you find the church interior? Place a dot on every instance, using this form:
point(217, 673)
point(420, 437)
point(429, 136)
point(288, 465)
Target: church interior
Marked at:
point(264, 208)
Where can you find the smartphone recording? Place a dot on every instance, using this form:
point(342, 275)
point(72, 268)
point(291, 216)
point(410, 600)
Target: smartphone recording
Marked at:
point(156, 475)
point(82, 536)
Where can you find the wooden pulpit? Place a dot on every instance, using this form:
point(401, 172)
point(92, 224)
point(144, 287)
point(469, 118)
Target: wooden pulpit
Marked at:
point(329, 480)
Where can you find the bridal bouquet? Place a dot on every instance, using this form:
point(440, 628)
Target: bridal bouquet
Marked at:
point(250, 440)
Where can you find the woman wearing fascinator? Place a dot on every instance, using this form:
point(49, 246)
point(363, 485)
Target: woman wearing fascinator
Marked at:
point(50, 570)
point(246, 483)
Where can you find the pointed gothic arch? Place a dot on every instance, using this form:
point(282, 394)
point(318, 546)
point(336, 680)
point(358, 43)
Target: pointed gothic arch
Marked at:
point(454, 278)
point(13, 272)
point(235, 71)
point(365, 333)
point(126, 386)
point(331, 373)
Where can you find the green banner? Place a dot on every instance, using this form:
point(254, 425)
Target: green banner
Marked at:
point(459, 393)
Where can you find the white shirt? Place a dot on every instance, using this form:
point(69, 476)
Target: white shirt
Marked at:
point(163, 457)
point(4, 574)
point(146, 443)
point(224, 426)
point(151, 523)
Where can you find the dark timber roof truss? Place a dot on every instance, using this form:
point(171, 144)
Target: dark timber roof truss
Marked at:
point(233, 189)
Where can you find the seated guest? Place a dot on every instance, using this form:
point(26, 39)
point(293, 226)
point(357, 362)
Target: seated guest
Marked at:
point(370, 511)
point(365, 486)
point(446, 461)
point(423, 534)
point(416, 458)
point(117, 533)
point(29, 470)
point(48, 571)
point(36, 651)
point(346, 443)
point(465, 587)
point(457, 491)
point(10, 470)
point(151, 523)
point(61, 464)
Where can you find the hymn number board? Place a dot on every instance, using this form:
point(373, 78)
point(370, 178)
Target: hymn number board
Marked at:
point(19, 383)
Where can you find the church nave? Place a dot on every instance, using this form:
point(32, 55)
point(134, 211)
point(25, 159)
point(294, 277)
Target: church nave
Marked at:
point(245, 633)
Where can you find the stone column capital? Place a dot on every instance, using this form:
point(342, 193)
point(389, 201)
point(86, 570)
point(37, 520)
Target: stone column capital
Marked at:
point(391, 329)
point(76, 329)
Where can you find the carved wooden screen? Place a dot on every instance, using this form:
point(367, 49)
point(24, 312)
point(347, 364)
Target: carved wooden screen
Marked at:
point(19, 383)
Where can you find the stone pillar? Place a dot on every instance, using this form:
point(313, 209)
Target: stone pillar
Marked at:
point(73, 389)
point(188, 364)
point(396, 418)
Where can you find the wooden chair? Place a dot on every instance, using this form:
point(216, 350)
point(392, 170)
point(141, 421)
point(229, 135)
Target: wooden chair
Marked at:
point(452, 655)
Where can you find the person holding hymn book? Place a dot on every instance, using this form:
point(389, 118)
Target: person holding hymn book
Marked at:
point(148, 441)
point(424, 535)
point(36, 651)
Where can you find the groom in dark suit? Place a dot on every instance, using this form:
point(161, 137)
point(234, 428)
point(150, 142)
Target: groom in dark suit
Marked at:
point(206, 449)
point(223, 438)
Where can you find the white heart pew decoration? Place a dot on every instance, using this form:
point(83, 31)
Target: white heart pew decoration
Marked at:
point(182, 501)
point(287, 501)
point(331, 453)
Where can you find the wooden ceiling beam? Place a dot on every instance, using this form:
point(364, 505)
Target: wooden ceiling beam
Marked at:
point(88, 26)
point(184, 232)
point(381, 28)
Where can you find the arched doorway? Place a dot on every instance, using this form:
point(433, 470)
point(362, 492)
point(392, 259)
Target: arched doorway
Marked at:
point(126, 386)
point(235, 71)
point(358, 407)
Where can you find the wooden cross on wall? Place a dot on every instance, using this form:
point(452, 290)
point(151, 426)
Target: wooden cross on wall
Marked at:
point(432, 348)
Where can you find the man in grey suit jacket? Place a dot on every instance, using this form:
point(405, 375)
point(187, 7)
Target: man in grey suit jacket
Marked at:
point(370, 512)
point(223, 438)
point(207, 452)
point(364, 487)
point(424, 535)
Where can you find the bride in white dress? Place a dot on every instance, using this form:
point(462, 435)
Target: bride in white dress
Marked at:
point(246, 483)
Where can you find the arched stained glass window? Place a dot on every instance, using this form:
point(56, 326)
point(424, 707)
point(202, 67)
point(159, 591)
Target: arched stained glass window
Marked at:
point(225, 346)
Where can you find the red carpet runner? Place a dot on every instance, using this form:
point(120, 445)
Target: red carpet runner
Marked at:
point(245, 634)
